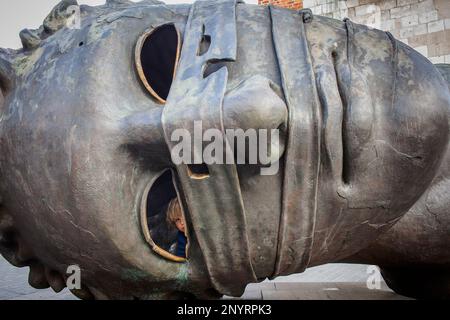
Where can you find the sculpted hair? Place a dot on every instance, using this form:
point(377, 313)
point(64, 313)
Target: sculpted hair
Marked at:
point(57, 19)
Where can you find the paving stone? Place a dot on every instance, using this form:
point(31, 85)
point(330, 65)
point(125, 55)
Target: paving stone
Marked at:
point(6, 294)
point(47, 295)
point(329, 291)
point(269, 285)
point(278, 295)
point(252, 295)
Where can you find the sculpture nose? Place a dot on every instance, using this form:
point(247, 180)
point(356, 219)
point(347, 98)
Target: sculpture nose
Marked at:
point(256, 107)
point(256, 104)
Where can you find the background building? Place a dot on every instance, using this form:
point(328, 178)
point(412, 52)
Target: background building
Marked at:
point(422, 24)
point(291, 4)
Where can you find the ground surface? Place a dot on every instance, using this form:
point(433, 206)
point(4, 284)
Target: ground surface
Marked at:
point(330, 282)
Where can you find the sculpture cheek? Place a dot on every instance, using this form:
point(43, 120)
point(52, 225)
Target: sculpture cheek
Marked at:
point(357, 130)
point(359, 120)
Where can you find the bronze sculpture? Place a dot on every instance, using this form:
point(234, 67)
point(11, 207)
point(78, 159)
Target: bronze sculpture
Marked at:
point(85, 165)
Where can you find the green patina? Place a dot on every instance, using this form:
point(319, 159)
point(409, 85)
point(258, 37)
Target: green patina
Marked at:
point(183, 274)
point(25, 63)
point(134, 275)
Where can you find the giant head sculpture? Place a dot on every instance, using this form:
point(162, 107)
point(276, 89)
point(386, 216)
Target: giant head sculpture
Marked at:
point(88, 110)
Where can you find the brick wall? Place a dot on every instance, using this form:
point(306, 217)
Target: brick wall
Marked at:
point(291, 4)
point(423, 24)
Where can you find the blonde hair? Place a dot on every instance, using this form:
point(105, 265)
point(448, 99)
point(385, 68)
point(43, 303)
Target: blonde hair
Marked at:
point(174, 211)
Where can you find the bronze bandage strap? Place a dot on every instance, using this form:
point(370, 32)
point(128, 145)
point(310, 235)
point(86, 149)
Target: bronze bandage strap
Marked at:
point(302, 158)
point(214, 200)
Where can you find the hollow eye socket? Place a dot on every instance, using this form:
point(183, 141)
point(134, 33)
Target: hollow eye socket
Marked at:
point(157, 54)
point(158, 225)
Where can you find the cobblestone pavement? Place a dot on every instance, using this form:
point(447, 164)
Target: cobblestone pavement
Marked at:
point(330, 282)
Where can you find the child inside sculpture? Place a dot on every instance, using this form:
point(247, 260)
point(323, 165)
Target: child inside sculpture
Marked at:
point(176, 218)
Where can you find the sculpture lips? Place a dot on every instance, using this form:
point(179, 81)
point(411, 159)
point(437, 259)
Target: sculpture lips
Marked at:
point(333, 101)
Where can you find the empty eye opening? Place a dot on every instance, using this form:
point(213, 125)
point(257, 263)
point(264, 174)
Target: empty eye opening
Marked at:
point(160, 219)
point(198, 171)
point(157, 54)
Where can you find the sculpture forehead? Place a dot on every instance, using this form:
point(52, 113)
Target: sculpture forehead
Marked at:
point(92, 62)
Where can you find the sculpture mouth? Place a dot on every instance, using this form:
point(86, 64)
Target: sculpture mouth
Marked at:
point(158, 231)
point(334, 102)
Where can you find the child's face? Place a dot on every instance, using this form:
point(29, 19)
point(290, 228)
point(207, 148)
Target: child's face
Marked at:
point(180, 224)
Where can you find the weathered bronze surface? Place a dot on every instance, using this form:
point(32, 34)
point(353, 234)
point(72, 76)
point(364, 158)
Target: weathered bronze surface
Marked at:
point(364, 160)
